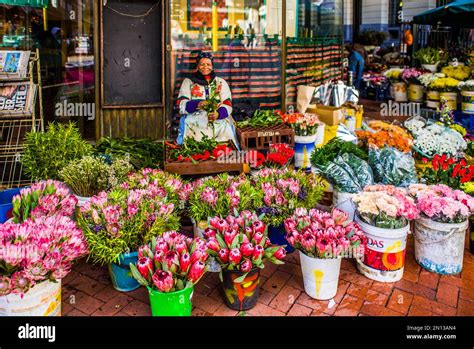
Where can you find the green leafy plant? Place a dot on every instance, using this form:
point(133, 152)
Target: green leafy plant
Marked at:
point(261, 118)
point(46, 153)
point(427, 55)
point(321, 157)
point(191, 147)
point(141, 153)
point(90, 175)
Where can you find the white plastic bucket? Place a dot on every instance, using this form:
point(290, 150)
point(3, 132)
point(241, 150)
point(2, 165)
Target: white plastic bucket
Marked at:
point(43, 299)
point(431, 67)
point(398, 90)
point(415, 93)
point(343, 201)
point(439, 247)
point(81, 200)
point(304, 146)
point(384, 258)
point(320, 276)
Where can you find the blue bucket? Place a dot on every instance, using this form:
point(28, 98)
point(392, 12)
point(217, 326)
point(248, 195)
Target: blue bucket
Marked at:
point(121, 275)
point(6, 206)
point(277, 236)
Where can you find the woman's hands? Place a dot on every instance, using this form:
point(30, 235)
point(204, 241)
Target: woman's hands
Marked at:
point(212, 116)
point(201, 104)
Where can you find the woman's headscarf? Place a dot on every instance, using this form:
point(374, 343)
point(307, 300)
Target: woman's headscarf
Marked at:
point(197, 77)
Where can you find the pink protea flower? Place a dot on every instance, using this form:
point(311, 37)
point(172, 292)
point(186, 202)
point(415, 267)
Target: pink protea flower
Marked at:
point(258, 253)
point(280, 253)
point(196, 272)
point(235, 256)
point(163, 280)
point(257, 237)
point(247, 249)
point(144, 251)
point(184, 262)
point(5, 285)
point(246, 266)
point(224, 255)
point(213, 244)
point(199, 255)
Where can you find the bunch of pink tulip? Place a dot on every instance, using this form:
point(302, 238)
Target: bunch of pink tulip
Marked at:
point(43, 199)
point(241, 242)
point(321, 234)
point(37, 250)
point(171, 262)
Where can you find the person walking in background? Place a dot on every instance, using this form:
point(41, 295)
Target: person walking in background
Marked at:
point(357, 59)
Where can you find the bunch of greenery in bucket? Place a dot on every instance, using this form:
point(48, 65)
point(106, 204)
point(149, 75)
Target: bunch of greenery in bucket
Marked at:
point(46, 153)
point(240, 244)
point(35, 256)
point(323, 238)
point(428, 56)
point(117, 222)
point(383, 213)
point(219, 195)
point(169, 267)
point(43, 199)
point(90, 175)
point(176, 189)
point(441, 228)
point(452, 172)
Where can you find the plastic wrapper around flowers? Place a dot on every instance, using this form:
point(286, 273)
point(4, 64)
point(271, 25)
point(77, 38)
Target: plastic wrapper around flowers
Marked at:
point(348, 173)
point(393, 167)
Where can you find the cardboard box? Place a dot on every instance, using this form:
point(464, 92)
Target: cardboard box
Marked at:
point(331, 116)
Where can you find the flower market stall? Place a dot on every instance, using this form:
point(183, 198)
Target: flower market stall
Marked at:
point(340, 193)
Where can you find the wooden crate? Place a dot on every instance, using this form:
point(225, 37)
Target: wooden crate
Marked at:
point(260, 137)
point(208, 167)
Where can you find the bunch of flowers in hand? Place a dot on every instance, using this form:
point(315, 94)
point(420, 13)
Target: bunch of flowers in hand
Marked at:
point(171, 262)
point(411, 75)
point(43, 199)
point(449, 171)
point(385, 206)
point(38, 250)
point(321, 234)
point(121, 220)
point(279, 156)
point(219, 195)
point(303, 124)
point(441, 203)
point(240, 242)
point(281, 191)
point(176, 190)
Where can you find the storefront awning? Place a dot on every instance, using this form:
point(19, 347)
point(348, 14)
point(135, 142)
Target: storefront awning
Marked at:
point(31, 3)
point(457, 13)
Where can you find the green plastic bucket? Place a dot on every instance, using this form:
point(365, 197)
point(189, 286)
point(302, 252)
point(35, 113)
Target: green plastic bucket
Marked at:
point(171, 303)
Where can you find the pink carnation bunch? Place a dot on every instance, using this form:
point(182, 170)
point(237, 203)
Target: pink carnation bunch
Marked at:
point(385, 206)
point(171, 262)
point(37, 250)
point(43, 199)
point(320, 234)
point(441, 203)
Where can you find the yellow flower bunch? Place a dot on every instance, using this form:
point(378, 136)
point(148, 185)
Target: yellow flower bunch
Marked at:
point(393, 74)
point(444, 84)
point(460, 72)
point(458, 128)
point(468, 188)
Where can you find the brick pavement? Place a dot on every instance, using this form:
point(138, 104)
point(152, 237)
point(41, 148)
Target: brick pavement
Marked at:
point(87, 291)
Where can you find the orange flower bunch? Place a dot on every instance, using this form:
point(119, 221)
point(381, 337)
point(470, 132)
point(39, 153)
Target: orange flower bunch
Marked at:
point(386, 135)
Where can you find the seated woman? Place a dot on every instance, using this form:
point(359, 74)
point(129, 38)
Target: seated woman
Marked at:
point(194, 94)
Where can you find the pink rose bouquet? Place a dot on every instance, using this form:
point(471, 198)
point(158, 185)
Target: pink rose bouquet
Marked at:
point(43, 199)
point(441, 203)
point(411, 75)
point(385, 206)
point(38, 250)
point(241, 243)
point(321, 234)
point(171, 262)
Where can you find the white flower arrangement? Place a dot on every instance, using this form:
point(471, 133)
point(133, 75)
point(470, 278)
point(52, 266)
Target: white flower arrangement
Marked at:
point(415, 124)
point(437, 139)
point(428, 78)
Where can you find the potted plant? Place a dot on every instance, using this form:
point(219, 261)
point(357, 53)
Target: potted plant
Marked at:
point(467, 93)
point(117, 222)
point(241, 246)
point(43, 199)
point(384, 213)
point(306, 134)
point(432, 96)
point(169, 267)
point(46, 153)
point(280, 192)
point(415, 88)
point(448, 90)
point(90, 175)
point(441, 228)
point(398, 88)
point(36, 254)
point(429, 58)
point(322, 239)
